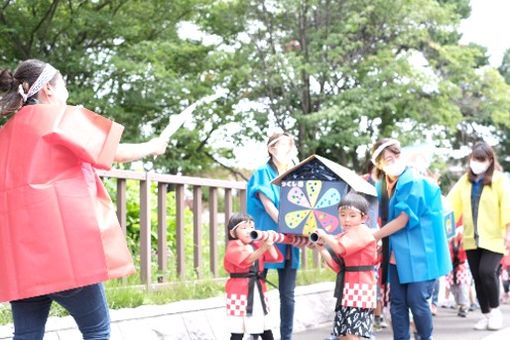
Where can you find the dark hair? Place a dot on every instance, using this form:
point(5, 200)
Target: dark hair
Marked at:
point(482, 151)
point(392, 148)
point(25, 75)
point(353, 199)
point(234, 220)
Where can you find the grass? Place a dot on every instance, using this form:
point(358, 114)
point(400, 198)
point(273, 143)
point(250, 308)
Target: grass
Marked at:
point(122, 296)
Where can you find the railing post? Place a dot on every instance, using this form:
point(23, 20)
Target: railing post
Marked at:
point(179, 229)
point(304, 257)
point(316, 259)
point(213, 230)
point(145, 232)
point(242, 198)
point(228, 210)
point(121, 204)
point(121, 209)
point(181, 182)
point(197, 229)
point(162, 232)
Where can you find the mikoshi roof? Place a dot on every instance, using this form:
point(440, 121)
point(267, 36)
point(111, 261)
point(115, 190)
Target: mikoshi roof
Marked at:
point(355, 181)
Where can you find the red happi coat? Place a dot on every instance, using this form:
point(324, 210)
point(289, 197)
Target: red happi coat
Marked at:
point(58, 228)
point(460, 273)
point(235, 262)
point(360, 250)
point(505, 261)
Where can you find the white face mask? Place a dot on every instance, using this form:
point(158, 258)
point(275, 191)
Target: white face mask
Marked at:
point(284, 154)
point(479, 167)
point(283, 157)
point(394, 169)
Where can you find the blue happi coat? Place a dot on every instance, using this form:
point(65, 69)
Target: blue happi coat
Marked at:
point(260, 182)
point(420, 248)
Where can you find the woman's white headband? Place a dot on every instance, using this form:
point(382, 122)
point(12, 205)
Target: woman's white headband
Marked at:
point(277, 139)
point(381, 148)
point(46, 75)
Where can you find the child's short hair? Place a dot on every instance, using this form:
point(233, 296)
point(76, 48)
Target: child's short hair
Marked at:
point(356, 201)
point(234, 221)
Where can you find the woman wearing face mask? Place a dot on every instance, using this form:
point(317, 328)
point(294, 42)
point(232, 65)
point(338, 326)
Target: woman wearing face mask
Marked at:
point(59, 236)
point(415, 250)
point(263, 201)
point(482, 197)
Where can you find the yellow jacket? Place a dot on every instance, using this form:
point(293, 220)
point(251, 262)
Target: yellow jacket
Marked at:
point(493, 212)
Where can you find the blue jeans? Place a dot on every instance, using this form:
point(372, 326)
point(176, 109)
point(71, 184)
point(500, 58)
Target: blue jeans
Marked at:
point(413, 296)
point(435, 292)
point(286, 285)
point(87, 305)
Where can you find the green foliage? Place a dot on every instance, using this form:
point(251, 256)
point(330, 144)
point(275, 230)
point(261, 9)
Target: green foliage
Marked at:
point(5, 314)
point(126, 60)
point(358, 69)
point(361, 70)
point(133, 224)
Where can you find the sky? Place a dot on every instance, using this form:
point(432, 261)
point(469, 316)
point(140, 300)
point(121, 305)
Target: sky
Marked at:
point(489, 26)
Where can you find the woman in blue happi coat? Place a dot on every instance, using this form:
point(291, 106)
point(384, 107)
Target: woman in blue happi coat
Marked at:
point(415, 250)
point(263, 201)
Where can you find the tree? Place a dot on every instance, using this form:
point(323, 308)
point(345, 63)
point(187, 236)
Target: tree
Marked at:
point(338, 74)
point(504, 68)
point(341, 74)
point(125, 59)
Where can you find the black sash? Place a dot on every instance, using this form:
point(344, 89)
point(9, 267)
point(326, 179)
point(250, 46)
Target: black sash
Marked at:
point(383, 214)
point(340, 276)
point(255, 277)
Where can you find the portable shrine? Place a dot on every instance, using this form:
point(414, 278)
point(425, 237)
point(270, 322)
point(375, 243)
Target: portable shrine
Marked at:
point(311, 192)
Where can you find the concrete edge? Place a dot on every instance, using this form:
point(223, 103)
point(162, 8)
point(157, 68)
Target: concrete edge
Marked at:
point(313, 300)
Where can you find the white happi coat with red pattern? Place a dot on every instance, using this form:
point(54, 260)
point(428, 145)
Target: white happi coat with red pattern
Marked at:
point(360, 250)
point(235, 261)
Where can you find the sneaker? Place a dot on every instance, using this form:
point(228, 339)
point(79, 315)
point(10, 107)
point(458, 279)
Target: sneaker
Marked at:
point(482, 324)
point(462, 312)
point(383, 324)
point(495, 320)
point(473, 307)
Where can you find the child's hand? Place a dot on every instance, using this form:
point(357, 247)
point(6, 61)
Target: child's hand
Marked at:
point(320, 232)
point(319, 245)
point(272, 235)
point(379, 248)
point(270, 240)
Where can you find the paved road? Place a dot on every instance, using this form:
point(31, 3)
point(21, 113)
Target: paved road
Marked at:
point(447, 326)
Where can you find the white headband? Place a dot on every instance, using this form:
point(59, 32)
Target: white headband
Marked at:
point(237, 225)
point(381, 147)
point(46, 75)
point(276, 140)
point(351, 207)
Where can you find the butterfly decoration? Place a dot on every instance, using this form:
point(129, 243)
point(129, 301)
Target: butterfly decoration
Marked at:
point(312, 204)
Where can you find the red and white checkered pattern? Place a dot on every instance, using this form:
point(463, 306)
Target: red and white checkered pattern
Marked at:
point(463, 275)
point(236, 304)
point(359, 295)
point(505, 274)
